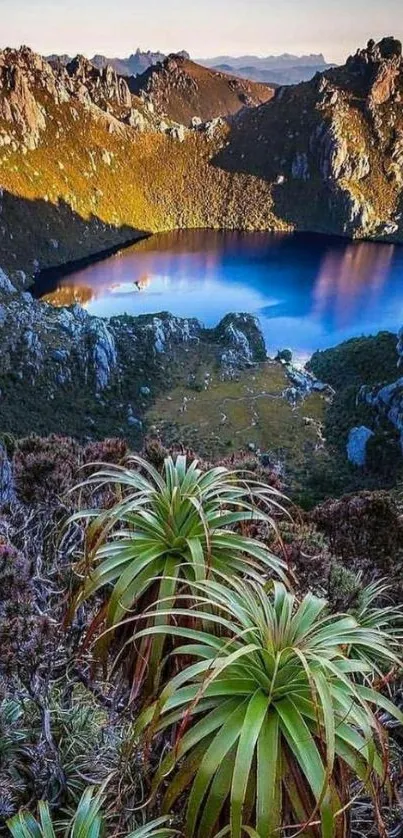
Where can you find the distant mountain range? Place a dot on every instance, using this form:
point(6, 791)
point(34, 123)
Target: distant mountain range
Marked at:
point(274, 69)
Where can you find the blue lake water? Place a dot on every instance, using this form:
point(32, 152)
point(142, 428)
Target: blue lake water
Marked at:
point(309, 292)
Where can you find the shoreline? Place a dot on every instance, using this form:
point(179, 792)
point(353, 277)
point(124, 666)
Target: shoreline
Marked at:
point(73, 265)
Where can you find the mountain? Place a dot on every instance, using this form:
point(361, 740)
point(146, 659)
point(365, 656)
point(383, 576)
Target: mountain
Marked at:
point(90, 160)
point(182, 90)
point(133, 65)
point(273, 69)
point(332, 148)
point(276, 61)
point(86, 165)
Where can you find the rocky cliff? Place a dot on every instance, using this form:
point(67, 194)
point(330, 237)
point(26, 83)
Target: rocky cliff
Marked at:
point(332, 148)
point(386, 399)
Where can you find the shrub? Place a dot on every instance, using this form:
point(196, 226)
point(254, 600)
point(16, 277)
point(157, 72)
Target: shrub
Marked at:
point(273, 716)
point(112, 450)
point(24, 630)
point(365, 360)
point(365, 526)
point(344, 588)
point(86, 823)
point(173, 529)
point(45, 468)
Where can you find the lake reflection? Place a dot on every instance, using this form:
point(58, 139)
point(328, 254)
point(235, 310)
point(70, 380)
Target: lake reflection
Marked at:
point(310, 292)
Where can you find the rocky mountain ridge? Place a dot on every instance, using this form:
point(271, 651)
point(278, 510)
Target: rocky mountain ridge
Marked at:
point(133, 65)
point(333, 147)
point(271, 69)
point(87, 163)
point(184, 91)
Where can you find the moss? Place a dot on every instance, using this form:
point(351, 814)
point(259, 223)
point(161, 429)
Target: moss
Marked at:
point(247, 411)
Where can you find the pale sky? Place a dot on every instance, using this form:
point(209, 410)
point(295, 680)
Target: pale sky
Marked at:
point(203, 27)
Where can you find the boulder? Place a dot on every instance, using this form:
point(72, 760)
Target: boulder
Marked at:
point(243, 340)
point(6, 286)
point(136, 120)
point(178, 132)
point(358, 439)
point(284, 356)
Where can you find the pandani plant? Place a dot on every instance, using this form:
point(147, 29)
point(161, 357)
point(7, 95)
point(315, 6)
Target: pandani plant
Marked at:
point(273, 716)
point(376, 610)
point(162, 533)
point(87, 822)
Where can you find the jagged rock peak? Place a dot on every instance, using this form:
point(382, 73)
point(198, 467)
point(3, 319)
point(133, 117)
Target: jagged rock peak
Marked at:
point(81, 67)
point(379, 65)
point(20, 72)
point(388, 49)
point(103, 84)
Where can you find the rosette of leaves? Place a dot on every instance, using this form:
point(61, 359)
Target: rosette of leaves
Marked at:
point(274, 714)
point(164, 532)
point(86, 823)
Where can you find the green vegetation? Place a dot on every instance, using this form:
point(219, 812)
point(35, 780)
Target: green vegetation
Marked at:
point(275, 706)
point(173, 530)
point(210, 668)
point(219, 417)
point(149, 660)
point(359, 361)
point(86, 822)
point(263, 667)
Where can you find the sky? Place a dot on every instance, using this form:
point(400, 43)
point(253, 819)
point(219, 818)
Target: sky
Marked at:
point(203, 27)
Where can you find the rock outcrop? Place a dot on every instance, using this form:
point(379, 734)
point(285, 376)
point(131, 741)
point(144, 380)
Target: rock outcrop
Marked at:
point(72, 363)
point(6, 478)
point(103, 87)
point(30, 87)
point(19, 108)
point(376, 70)
point(386, 403)
point(357, 445)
